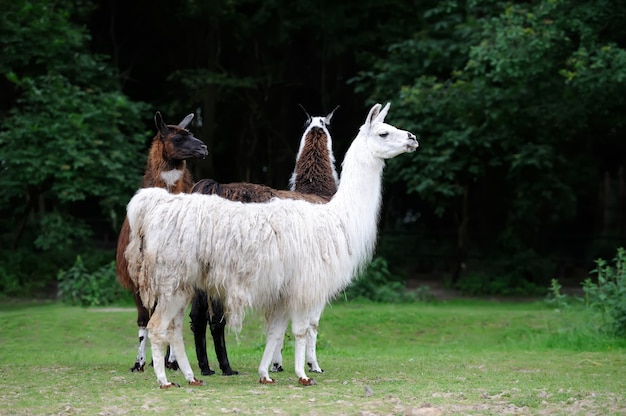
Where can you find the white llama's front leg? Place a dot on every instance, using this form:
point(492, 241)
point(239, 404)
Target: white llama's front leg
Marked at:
point(175, 337)
point(277, 324)
point(300, 327)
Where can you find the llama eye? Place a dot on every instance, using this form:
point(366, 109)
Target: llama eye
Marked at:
point(177, 139)
point(384, 134)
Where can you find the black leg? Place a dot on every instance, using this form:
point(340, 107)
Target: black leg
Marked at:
point(218, 323)
point(170, 365)
point(199, 316)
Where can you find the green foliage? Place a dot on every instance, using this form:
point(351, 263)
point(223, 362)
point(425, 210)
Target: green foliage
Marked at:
point(513, 101)
point(508, 273)
point(29, 273)
point(82, 287)
point(376, 284)
point(555, 297)
point(69, 134)
point(607, 293)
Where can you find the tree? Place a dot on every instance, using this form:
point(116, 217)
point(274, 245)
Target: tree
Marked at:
point(69, 137)
point(513, 101)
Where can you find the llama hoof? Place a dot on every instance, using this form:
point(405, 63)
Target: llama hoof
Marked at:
point(196, 382)
point(137, 368)
point(306, 381)
point(169, 386)
point(314, 368)
point(276, 368)
point(207, 372)
point(265, 380)
point(229, 372)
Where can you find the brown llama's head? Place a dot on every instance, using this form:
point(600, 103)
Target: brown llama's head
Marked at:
point(177, 142)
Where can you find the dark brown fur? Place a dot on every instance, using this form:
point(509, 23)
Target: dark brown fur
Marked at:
point(314, 168)
point(250, 192)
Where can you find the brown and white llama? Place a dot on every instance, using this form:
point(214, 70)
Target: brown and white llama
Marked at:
point(287, 258)
point(314, 174)
point(166, 168)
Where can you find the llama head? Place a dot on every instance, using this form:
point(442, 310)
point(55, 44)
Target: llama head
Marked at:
point(179, 143)
point(384, 140)
point(323, 122)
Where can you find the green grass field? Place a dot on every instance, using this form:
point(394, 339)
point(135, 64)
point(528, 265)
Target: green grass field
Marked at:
point(457, 357)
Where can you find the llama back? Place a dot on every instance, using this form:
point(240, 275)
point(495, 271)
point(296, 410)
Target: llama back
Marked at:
point(237, 191)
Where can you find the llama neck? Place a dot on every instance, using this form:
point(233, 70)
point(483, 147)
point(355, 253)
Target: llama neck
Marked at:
point(163, 172)
point(315, 172)
point(361, 173)
point(360, 192)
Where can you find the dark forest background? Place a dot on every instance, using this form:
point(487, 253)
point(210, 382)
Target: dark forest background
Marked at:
point(519, 108)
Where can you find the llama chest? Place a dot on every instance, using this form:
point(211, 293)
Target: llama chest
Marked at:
point(171, 177)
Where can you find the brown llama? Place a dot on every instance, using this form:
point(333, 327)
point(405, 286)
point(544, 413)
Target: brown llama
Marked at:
point(315, 178)
point(166, 168)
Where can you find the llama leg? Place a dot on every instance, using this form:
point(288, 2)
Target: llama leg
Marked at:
point(218, 323)
point(277, 359)
point(143, 316)
point(175, 337)
point(199, 317)
point(300, 327)
point(170, 359)
point(311, 342)
point(277, 323)
point(157, 332)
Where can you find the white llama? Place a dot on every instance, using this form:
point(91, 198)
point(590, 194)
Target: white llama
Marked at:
point(316, 177)
point(287, 258)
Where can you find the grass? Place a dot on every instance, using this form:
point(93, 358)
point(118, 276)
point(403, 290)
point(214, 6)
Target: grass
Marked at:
point(457, 357)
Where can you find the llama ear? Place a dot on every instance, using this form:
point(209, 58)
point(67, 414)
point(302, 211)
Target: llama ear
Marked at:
point(373, 114)
point(330, 116)
point(383, 113)
point(308, 117)
point(160, 124)
point(185, 122)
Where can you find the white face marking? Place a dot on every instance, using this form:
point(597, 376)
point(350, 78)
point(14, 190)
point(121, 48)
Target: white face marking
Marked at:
point(317, 122)
point(170, 177)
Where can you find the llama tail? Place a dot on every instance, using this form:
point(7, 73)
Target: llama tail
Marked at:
point(141, 265)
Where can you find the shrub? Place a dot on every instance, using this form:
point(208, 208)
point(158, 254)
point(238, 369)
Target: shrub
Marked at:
point(519, 273)
point(555, 297)
point(376, 284)
point(607, 295)
point(30, 273)
point(79, 286)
